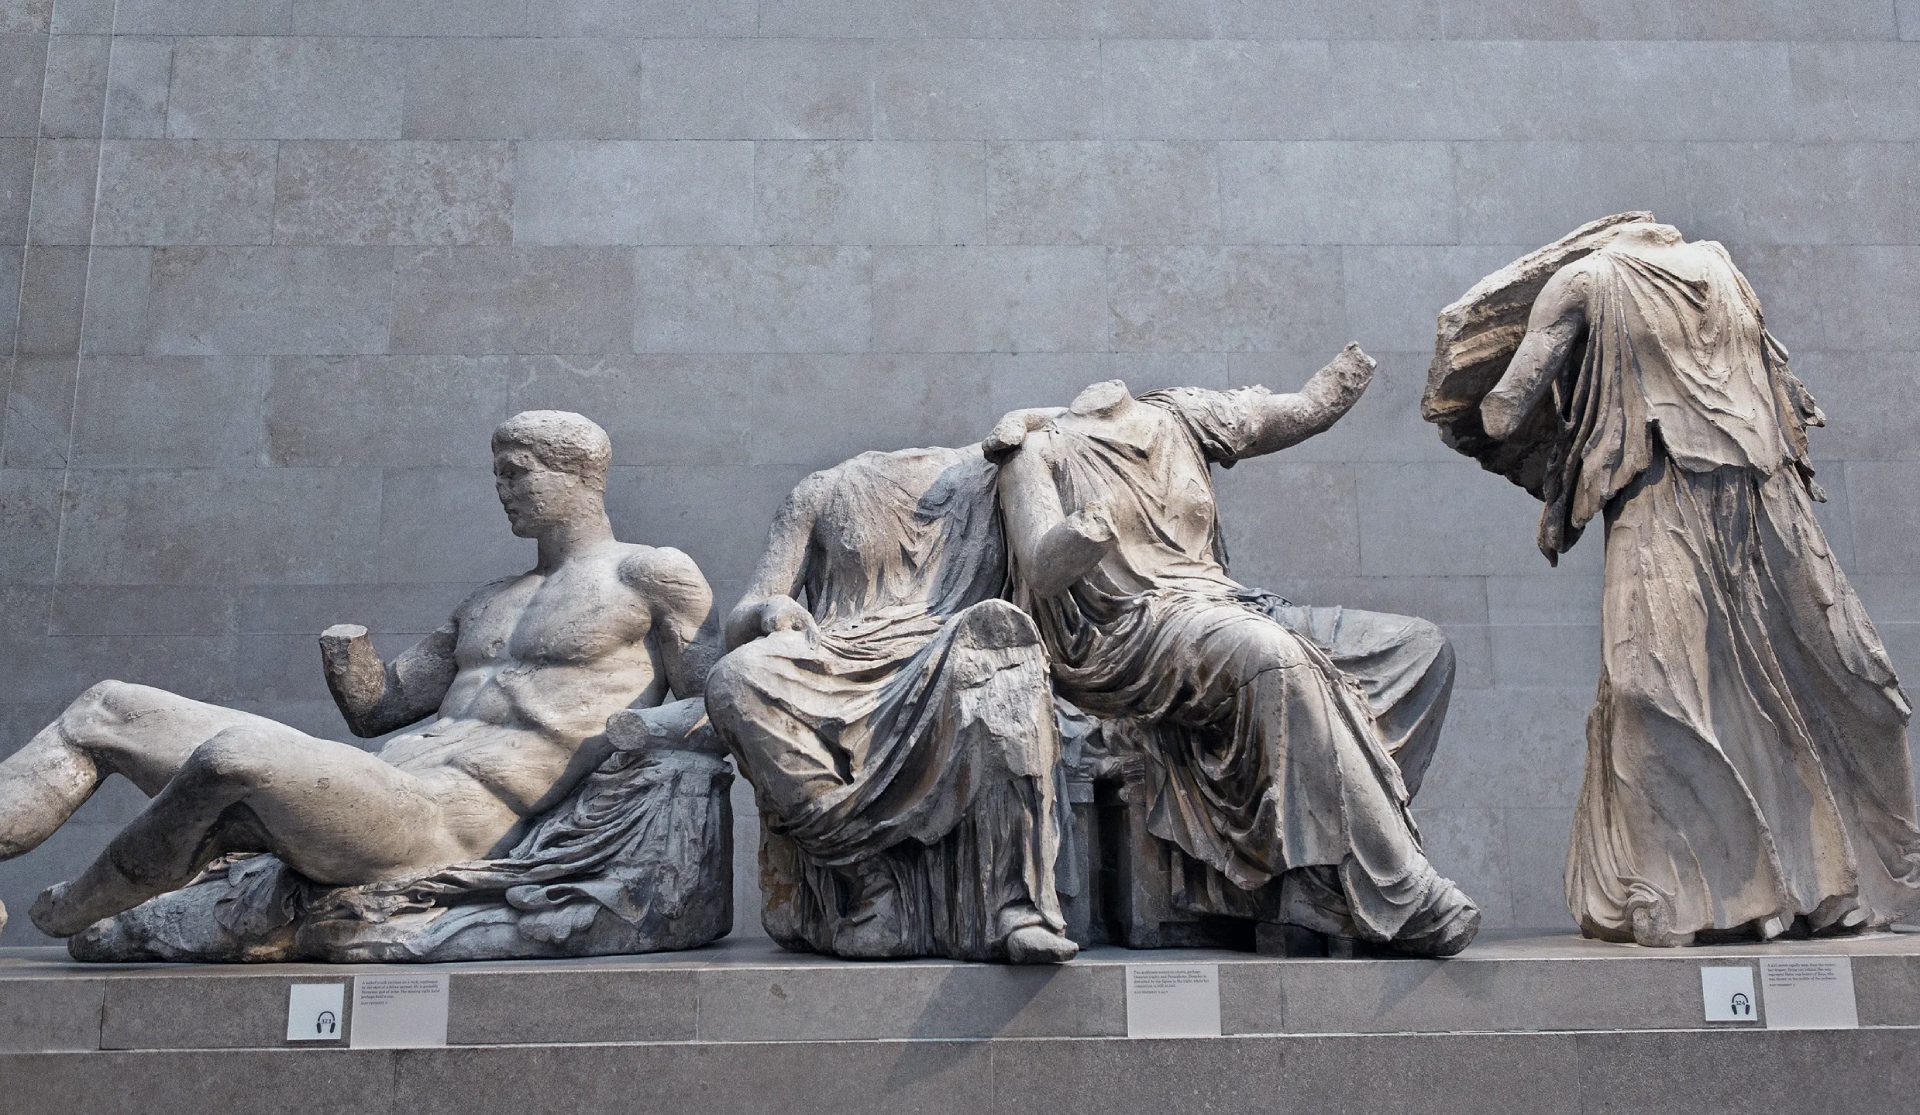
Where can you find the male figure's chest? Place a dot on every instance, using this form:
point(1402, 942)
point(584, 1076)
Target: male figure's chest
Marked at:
point(572, 617)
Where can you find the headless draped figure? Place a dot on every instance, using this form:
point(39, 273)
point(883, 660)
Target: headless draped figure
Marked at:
point(1747, 763)
point(898, 726)
point(1270, 761)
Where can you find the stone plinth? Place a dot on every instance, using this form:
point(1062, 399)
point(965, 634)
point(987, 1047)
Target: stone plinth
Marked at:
point(1520, 1024)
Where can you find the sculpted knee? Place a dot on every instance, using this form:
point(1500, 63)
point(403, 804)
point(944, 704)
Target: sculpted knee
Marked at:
point(237, 756)
point(996, 623)
point(1428, 634)
point(110, 705)
point(1267, 646)
point(737, 708)
point(730, 692)
point(102, 694)
point(103, 701)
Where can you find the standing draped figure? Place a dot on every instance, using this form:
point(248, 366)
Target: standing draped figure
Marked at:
point(1747, 762)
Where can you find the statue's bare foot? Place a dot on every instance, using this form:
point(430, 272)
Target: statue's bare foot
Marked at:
point(1450, 938)
point(50, 914)
point(1834, 918)
point(3, 917)
point(1036, 944)
point(58, 913)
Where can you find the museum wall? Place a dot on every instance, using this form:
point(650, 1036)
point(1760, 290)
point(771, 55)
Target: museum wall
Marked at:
point(281, 266)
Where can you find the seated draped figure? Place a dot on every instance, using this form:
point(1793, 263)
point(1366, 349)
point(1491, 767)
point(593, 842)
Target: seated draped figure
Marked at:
point(1747, 767)
point(512, 822)
point(1280, 742)
point(898, 727)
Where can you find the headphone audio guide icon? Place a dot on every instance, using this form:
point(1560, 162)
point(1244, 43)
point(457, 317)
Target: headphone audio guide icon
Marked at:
point(315, 1011)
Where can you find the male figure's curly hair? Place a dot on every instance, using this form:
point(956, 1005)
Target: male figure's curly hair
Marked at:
point(560, 440)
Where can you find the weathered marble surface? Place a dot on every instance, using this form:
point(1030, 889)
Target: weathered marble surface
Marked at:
point(898, 728)
point(637, 858)
point(515, 801)
point(1747, 765)
point(1235, 239)
point(1268, 768)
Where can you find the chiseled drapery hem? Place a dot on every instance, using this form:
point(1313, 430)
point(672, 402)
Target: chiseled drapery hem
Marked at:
point(1747, 752)
point(638, 859)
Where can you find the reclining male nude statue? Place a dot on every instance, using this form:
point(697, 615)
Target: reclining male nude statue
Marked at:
point(1270, 763)
point(516, 690)
point(898, 727)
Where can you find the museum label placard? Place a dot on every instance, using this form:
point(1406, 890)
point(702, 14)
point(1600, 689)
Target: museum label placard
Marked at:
point(1173, 1000)
point(399, 1011)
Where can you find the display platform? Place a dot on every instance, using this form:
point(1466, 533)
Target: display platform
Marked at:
point(1518, 1024)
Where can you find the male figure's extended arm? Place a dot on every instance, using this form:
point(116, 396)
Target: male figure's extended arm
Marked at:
point(1280, 421)
point(772, 600)
point(377, 697)
point(1554, 327)
point(684, 627)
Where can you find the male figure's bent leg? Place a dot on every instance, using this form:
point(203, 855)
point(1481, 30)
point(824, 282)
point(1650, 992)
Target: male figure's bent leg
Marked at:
point(334, 813)
point(142, 733)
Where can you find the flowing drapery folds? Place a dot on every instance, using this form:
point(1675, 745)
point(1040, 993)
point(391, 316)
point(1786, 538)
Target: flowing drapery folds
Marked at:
point(638, 858)
point(903, 752)
point(1747, 762)
point(1266, 760)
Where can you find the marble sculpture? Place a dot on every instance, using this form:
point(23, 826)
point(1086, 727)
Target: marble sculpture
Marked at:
point(1747, 769)
point(937, 640)
point(1269, 729)
point(516, 820)
point(901, 728)
point(898, 727)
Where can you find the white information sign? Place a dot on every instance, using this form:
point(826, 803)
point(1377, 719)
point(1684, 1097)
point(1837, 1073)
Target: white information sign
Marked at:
point(316, 1012)
point(1173, 1000)
point(399, 1011)
point(1726, 994)
point(1809, 992)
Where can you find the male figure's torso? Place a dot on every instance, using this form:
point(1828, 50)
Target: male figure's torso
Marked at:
point(543, 660)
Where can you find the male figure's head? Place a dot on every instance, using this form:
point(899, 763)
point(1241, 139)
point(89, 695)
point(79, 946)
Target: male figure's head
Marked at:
point(550, 469)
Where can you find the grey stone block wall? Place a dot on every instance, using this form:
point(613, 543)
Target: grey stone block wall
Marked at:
point(279, 267)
